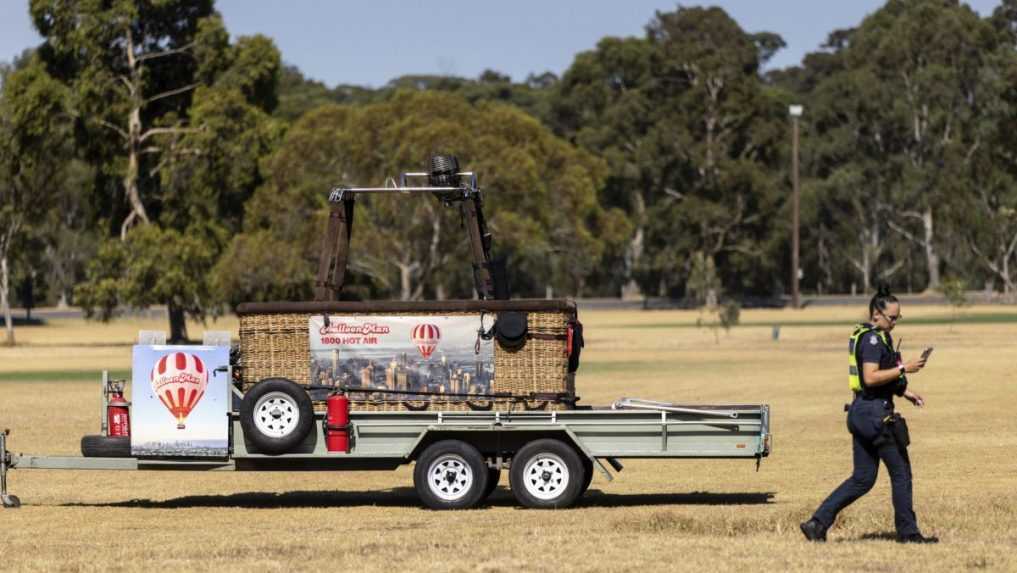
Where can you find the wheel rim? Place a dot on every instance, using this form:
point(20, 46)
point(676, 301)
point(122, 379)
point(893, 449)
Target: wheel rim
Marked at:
point(546, 476)
point(276, 415)
point(449, 477)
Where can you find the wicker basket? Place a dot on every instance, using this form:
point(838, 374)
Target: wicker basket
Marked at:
point(274, 343)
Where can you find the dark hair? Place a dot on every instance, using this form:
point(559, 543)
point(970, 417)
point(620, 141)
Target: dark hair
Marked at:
point(881, 299)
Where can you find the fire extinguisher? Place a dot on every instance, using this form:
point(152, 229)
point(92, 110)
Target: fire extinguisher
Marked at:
point(118, 414)
point(337, 423)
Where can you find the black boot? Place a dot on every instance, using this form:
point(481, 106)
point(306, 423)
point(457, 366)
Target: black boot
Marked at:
point(813, 530)
point(916, 538)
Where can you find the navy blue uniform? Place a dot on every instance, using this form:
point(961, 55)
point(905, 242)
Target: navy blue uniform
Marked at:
point(873, 441)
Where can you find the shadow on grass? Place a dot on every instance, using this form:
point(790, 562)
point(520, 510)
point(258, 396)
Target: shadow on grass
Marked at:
point(877, 536)
point(596, 498)
point(396, 497)
point(21, 321)
point(407, 497)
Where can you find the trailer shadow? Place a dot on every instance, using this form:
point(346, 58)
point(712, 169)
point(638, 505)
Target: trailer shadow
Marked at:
point(597, 498)
point(395, 497)
point(407, 497)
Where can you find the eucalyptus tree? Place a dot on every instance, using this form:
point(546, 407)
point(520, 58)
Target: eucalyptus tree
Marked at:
point(174, 116)
point(33, 156)
point(692, 139)
point(928, 61)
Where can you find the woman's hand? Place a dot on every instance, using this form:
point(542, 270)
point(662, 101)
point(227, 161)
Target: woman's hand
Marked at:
point(912, 366)
point(914, 398)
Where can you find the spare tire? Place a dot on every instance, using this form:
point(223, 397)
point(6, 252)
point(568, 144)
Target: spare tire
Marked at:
point(276, 415)
point(96, 446)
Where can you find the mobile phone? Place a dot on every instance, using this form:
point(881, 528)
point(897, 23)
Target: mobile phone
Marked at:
point(926, 353)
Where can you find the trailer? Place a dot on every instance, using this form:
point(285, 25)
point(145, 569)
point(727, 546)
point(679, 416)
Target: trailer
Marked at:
point(459, 457)
point(507, 399)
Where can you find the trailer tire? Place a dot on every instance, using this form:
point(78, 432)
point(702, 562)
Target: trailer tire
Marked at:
point(588, 478)
point(450, 474)
point(96, 446)
point(276, 415)
point(547, 474)
point(493, 477)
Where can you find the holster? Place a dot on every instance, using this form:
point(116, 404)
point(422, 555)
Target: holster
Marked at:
point(895, 427)
point(899, 427)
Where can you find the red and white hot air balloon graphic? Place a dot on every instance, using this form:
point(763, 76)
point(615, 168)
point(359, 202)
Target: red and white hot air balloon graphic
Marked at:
point(426, 337)
point(179, 380)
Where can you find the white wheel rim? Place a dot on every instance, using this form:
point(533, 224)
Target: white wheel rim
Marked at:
point(276, 415)
point(546, 476)
point(449, 477)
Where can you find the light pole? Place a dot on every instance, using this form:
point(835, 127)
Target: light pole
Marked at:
point(796, 112)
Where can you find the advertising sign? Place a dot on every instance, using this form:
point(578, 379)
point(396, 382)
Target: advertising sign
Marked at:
point(443, 354)
point(180, 403)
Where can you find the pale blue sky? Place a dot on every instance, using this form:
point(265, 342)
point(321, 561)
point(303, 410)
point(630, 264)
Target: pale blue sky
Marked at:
point(371, 42)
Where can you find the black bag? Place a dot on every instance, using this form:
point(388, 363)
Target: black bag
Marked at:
point(510, 329)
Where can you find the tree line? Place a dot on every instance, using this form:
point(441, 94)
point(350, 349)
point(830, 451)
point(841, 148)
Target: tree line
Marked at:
point(145, 158)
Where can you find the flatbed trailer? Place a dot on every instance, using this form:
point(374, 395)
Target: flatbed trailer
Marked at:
point(458, 456)
point(551, 455)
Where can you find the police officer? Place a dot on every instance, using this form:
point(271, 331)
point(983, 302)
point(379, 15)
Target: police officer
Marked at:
point(876, 375)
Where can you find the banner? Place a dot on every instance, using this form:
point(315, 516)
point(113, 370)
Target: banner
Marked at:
point(442, 354)
point(180, 404)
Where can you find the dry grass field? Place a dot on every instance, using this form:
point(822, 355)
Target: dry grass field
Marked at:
point(656, 515)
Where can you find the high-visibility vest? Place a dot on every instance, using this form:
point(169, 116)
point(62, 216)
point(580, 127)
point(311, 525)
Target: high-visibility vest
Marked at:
point(854, 372)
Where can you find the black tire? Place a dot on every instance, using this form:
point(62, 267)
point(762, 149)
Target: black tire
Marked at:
point(588, 478)
point(276, 415)
point(547, 474)
point(493, 477)
point(106, 446)
point(450, 475)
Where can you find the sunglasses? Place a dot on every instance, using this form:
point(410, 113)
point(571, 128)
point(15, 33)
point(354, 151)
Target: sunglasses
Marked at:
point(891, 318)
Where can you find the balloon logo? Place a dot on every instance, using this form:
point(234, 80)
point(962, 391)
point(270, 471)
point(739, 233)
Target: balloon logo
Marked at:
point(179, 380)
point(426, 337)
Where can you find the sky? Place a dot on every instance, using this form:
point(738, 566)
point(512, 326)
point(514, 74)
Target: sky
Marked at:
point(370, 43)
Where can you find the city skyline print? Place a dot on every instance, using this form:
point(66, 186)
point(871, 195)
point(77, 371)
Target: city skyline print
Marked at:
point(402, 357)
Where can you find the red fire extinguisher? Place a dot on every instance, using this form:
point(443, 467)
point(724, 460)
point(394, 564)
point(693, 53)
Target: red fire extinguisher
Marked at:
point(118, 414)
point(337, 423)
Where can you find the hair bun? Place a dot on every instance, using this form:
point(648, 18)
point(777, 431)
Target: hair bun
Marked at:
point(883, 290)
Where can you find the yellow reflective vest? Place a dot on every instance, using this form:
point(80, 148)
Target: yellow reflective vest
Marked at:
point(854, 369)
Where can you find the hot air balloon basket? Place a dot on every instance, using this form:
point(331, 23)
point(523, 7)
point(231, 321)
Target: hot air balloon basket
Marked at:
point(276, 344)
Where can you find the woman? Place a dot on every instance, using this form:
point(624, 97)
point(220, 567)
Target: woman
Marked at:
point(876, 374)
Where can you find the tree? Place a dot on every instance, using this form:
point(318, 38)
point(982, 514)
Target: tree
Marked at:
point(166, 105)
point(718, 143)
point(32, 132)
point(602, 105)
point(923, 66)
point(131, 69)
point(540, 202)
point(692, 140)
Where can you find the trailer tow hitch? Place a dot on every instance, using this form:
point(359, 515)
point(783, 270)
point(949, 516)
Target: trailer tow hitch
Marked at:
point(10, 501)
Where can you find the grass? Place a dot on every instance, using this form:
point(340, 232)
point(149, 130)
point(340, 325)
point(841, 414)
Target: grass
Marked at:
point(656, 515)
point(61, 375)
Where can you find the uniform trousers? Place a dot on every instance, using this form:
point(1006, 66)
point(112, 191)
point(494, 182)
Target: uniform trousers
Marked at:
point(873, 441)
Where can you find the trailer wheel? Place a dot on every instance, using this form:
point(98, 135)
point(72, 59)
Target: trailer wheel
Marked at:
point(547, 474)
point(588, 478)
point(276, 415)
point(493, 477)
point(450, 475)
point(97, 446)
